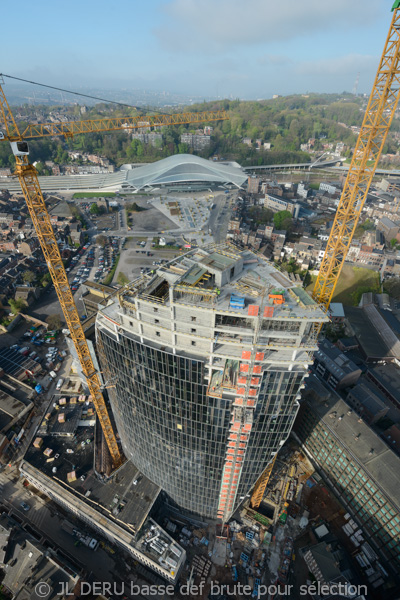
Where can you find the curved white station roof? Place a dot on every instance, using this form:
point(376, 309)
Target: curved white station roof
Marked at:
point(183, 168)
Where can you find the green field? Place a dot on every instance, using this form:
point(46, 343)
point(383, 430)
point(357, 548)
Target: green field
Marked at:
point(353, 281)
point(80, 195)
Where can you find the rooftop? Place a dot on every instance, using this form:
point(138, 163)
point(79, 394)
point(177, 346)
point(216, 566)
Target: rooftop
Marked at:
point(372, 344)
point(72, 447)
point(388, 222)
point(211, 277)
point(183, 168)
point(15, 364)
point(370, 399)
point(325, 560)
point(25, 563)
point(10, 405)
point(388, 376)
point(336, 309)
point(378, 460)
point(338, 363)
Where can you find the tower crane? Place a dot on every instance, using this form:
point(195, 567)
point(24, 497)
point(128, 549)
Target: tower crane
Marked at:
point(374, 129)
point(28, 178)
point(378, 117)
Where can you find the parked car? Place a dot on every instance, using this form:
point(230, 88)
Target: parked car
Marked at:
point(25, 506)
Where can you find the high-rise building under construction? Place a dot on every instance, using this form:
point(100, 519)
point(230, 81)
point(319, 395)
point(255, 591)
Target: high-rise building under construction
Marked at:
point(206, 358)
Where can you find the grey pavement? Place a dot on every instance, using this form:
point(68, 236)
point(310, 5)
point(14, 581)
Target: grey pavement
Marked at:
point(45, 518)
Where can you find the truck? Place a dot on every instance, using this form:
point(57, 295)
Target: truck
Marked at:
point(84, 539)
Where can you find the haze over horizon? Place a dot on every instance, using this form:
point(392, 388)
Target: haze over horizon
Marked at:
point(210, 48)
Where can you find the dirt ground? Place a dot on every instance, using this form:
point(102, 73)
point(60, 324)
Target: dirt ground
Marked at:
point(149, 219)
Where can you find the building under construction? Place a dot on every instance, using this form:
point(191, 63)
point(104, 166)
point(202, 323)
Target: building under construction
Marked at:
point(206, 358)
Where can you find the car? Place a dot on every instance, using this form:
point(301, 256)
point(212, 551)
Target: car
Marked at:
point(14, 347)
point(74, 288)
point(57, 456)
point(69, 451)
point(82, 477)
point(59, 386)
point(25, 506)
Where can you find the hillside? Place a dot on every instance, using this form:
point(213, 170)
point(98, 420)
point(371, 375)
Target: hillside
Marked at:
point(285, 123)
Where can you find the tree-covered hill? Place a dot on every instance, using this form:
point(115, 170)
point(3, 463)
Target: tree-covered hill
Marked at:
point(284, 122)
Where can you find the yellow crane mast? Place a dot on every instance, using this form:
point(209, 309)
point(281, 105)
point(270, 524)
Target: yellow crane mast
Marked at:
point(377, 120)
point(28, 178)
point(376, 124)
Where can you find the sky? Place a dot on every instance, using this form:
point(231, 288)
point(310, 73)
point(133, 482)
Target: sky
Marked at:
point(249, 49)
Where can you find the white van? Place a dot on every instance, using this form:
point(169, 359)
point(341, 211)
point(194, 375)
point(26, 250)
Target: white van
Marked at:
point(59, 384)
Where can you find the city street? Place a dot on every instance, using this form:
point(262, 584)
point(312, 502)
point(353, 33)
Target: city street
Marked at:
point(43, 521)
point(45, 518)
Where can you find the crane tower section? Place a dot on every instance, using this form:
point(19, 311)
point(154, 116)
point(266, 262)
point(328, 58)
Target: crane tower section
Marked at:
point(377, 120)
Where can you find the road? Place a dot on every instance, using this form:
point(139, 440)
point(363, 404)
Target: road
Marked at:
point(45, 518)
point(48, 303)
point(219, 218)
point(130, 262)
point(43, 521)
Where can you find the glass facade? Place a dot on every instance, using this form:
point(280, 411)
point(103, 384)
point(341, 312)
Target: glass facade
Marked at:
point(177, 434)
point(274, 415)
point(171, 430)
point(207, 357)
point(376, 512)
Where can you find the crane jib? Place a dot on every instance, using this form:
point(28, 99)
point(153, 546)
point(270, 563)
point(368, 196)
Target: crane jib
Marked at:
point(28, 178)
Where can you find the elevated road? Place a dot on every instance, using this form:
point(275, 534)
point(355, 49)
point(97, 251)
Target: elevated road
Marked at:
point(295, 166)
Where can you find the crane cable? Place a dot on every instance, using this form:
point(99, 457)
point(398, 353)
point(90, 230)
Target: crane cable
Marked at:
point(52, 87)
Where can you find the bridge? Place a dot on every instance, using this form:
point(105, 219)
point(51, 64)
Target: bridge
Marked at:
point(296, 166)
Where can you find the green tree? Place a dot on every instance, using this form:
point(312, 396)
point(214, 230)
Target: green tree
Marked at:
point(261, 216)
point(17, 305)
point(281, 219)
point(29, 276)
point(101, 240)
point(183, 148)
point(45, 279)
point(368, 225)
point(140, 150)
point(54, 322)
point(393, 242)
point(94, 209)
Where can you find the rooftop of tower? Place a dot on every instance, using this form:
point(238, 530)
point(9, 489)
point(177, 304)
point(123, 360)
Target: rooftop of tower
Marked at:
point(224, 278)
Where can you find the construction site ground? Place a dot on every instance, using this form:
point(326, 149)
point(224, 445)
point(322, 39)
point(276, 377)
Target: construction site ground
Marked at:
point(255, 552)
